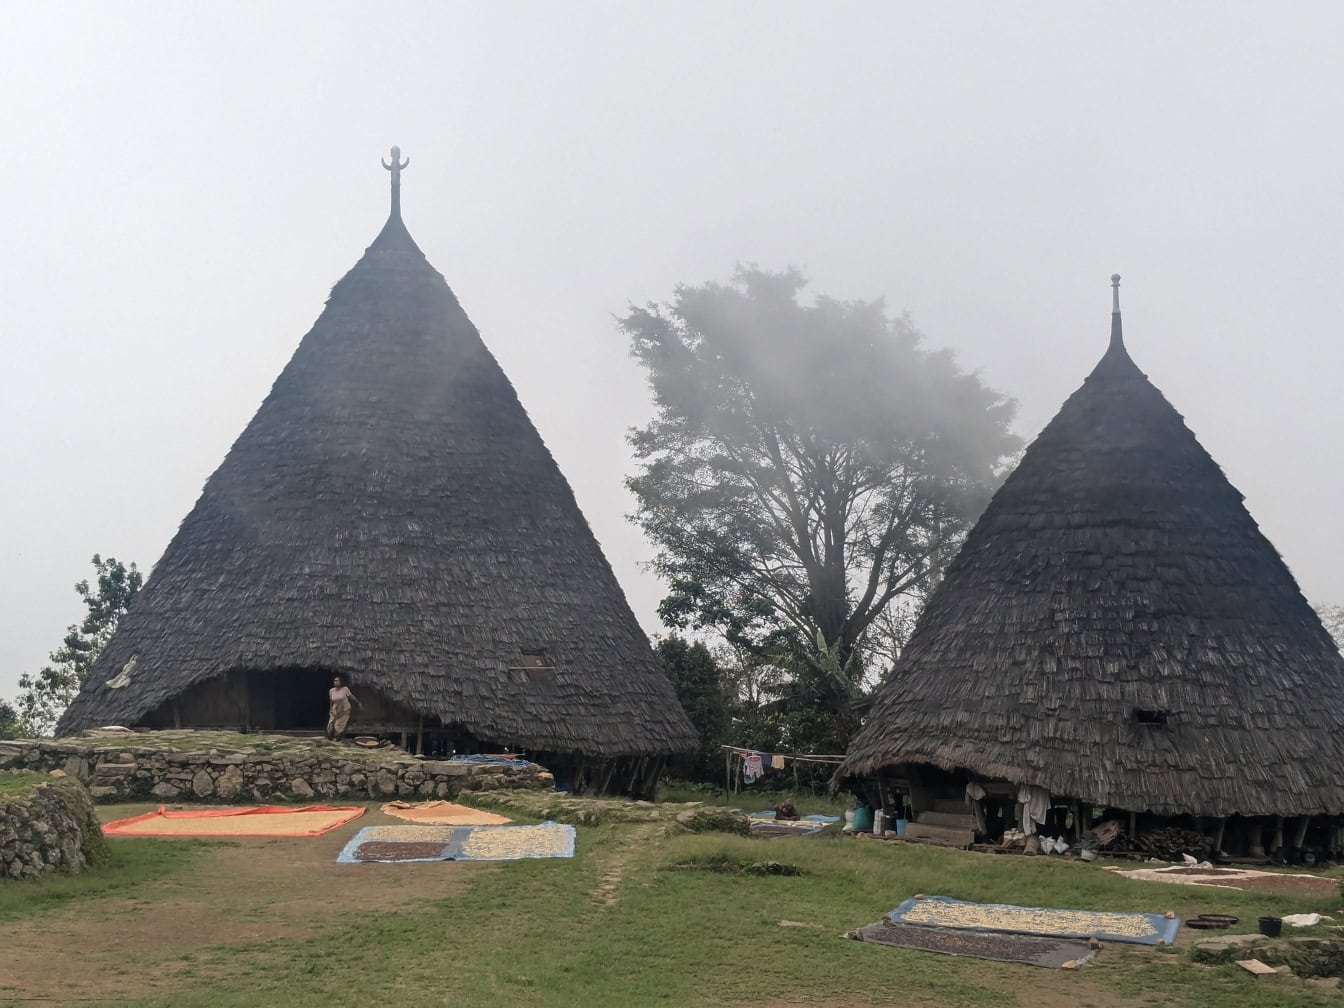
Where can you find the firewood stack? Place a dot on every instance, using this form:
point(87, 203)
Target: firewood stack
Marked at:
point(1171, 842)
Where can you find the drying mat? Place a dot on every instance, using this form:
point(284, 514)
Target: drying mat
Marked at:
point(772, 830)
point(459, 843)
point(1052, 953)
point(255, 820)
point(945, 912)
point(1283, 883)
point(443, 813)
point(389, 850)
point(405, 834)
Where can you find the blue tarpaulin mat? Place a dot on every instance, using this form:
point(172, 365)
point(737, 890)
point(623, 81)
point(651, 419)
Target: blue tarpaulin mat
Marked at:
point(487, 760)
point(946, 912)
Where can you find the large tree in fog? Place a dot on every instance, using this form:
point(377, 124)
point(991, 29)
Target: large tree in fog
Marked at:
point(810, 469)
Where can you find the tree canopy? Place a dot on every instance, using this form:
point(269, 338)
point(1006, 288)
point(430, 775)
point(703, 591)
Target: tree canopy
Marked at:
point(1332, 616)
point(45, 694)
point(809, 466)
point(700, 687)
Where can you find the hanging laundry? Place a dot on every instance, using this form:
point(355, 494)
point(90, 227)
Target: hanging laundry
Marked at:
point(776, 762)
point(751, 767)
point(1035, 802)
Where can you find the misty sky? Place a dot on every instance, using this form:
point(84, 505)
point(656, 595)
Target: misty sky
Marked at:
point(183, 183)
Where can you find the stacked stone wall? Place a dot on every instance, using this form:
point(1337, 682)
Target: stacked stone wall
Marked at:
point(46, 826)
point(129, 773)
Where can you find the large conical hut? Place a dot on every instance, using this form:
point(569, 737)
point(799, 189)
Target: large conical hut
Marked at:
point(391, 514)
point(1116, 637)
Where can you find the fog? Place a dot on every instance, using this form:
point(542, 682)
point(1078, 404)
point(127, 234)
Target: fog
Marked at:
point(183, 184)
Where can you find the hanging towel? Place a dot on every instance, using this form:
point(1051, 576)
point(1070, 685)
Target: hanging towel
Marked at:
point(751, 767)
point(776, 762)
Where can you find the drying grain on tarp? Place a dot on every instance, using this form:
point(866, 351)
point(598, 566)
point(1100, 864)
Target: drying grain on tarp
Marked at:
point(1051, 953)
point(383, 850)
point(459, 843)
point(443, 813)
point(944, 912)
point(257, 820)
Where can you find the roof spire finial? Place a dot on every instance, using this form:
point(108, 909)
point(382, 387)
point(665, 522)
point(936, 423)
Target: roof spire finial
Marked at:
point(1117, 338)
point(396, 168)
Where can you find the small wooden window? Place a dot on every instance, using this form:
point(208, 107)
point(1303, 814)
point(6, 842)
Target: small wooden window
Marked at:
point(535, 665)
point(1150, 718)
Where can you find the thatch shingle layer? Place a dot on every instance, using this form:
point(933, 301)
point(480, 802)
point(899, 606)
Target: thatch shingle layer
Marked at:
point(391, 513)
point(1116, 580)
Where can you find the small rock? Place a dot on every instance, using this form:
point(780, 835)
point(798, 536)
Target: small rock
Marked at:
point(56, 773)
point(301, 788)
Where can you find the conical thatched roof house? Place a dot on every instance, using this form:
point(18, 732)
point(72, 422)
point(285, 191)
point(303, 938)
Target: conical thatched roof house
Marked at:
point(390, 513)
point(1117, 631)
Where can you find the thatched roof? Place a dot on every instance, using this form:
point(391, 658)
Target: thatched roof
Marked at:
point(1116, 578)
point(391, 513)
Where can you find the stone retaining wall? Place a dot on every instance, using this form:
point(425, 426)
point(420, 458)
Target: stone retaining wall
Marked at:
point(140, 774)
point(46, 826)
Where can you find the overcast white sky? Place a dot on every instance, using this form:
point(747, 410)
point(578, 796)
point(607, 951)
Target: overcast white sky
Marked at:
point(183, 183)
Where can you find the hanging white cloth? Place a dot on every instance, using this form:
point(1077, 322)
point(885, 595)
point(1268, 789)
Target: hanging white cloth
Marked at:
point(1035, 802)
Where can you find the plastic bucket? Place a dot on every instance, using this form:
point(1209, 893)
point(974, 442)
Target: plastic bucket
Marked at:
point(1271, 927)
point(900, 827)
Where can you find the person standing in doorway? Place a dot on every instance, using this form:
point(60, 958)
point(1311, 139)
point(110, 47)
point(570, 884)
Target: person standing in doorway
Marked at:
point(339, 699)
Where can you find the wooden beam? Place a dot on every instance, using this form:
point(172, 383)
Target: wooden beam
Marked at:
point(1302, 832)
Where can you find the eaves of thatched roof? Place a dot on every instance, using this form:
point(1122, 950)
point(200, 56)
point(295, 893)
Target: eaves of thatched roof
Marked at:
point(1116, 629)
point(391, 513)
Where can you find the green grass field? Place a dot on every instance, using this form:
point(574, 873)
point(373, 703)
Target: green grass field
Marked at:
point(275, 922)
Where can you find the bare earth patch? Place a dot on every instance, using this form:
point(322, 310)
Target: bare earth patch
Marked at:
point(252, 889)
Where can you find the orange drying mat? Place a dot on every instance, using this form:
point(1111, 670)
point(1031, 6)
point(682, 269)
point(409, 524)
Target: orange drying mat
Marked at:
point(254, 820)
point(442, 813)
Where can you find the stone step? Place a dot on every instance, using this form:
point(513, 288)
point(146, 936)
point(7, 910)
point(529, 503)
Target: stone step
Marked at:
point(942, 834)
point(964, 820)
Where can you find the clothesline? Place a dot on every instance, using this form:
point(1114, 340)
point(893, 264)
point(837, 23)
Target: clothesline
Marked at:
point(801, 757)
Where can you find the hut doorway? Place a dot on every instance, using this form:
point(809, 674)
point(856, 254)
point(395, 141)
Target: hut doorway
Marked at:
point(301, 699)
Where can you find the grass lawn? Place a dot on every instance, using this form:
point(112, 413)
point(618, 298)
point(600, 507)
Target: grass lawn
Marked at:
point(270, 922)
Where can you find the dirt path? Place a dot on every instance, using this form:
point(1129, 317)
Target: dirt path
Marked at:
point(613, 863)
point(251, 889)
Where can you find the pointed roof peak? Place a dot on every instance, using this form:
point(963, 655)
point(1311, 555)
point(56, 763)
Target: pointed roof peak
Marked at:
point(1116, 362)
point(394, 235)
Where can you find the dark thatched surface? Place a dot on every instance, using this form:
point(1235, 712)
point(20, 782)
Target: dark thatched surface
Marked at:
point(391, 513)
point(1116, 570)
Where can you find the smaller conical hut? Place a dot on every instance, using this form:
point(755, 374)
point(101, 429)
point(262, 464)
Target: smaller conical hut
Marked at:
point(391, 515)
point(1115, 640)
